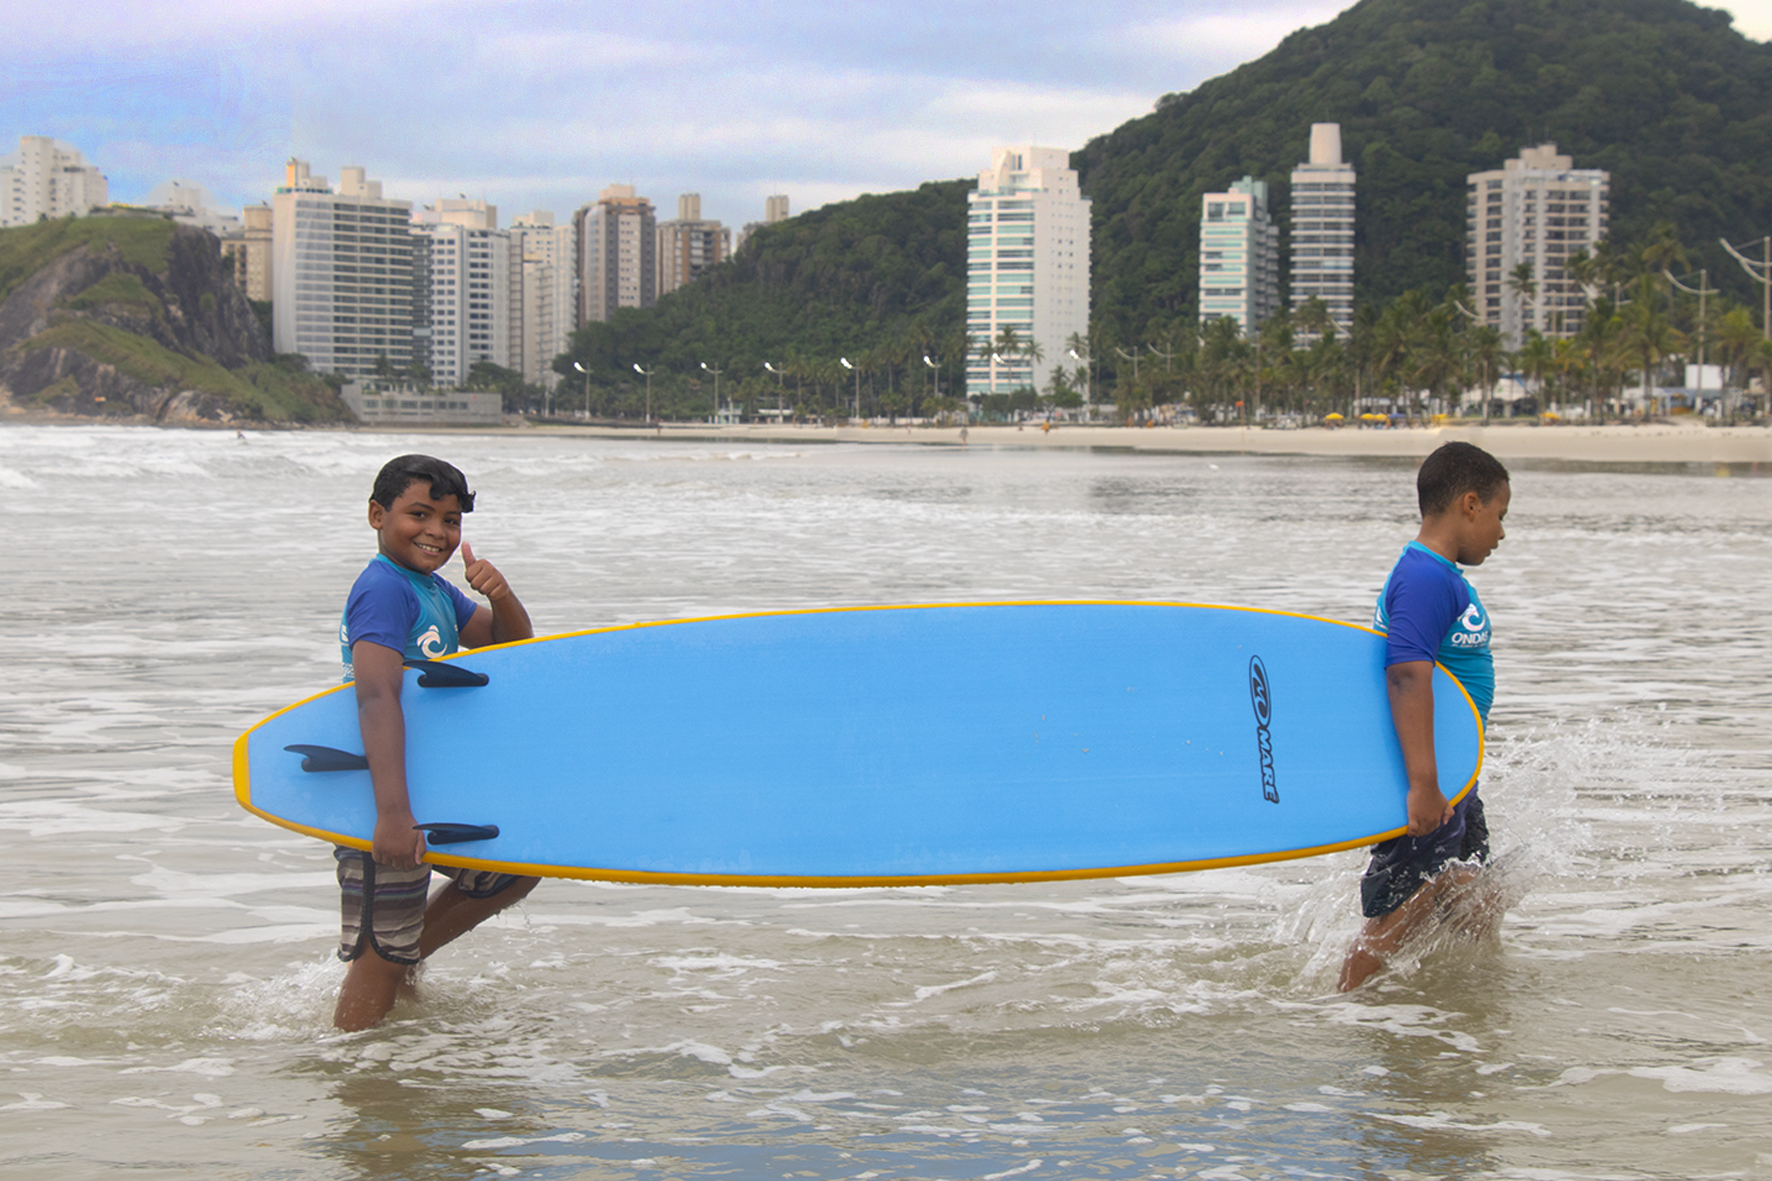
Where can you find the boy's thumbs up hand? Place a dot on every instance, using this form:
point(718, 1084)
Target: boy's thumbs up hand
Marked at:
point(482, 575)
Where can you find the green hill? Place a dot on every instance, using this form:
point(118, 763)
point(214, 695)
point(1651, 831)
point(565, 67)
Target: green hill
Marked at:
point(127, 315)
point(880, 280)
point(1663, 94)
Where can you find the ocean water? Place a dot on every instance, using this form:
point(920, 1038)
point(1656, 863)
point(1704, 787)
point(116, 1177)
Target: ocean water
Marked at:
point(166, 970)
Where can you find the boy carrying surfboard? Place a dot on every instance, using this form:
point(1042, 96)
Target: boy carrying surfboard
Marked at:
point(401, 609)
point(1429, 612)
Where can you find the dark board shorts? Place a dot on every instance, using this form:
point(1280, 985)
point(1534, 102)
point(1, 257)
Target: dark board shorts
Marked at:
point(1402, 865)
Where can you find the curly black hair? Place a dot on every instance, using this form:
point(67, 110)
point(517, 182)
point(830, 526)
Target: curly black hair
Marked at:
point(398, 473)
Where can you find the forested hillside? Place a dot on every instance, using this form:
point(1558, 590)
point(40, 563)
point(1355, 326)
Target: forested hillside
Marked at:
point(1661, 93)
point(874, 279)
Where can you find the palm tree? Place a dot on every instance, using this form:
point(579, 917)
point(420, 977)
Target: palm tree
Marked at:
point(1649, 335)
point(1482, 348)
point(1523, 287)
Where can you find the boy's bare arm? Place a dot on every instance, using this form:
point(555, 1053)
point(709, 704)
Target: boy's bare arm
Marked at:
point(1411, 687)
point(505, 620)
point(378, 672)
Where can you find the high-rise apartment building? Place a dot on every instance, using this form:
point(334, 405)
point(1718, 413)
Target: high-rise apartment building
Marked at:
point(469, 308)
point(775, 209)
point(44, 180)
point(1323, 231)
point(689, 245)
point(342, 273)
point(1536, 209)
point(617, 254)
point(252, 259)
point(1027, 267)
point(549, 292)
point(1239, 256)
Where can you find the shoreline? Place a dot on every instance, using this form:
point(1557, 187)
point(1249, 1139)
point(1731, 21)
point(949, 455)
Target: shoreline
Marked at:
point(1613, 443)
point(1654, 442)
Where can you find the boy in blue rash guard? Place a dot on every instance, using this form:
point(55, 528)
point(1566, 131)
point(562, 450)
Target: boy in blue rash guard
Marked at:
point(401, 609)
point(1429, 613)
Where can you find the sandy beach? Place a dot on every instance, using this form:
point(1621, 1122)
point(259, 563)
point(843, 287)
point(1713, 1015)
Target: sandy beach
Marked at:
point(1673, 442)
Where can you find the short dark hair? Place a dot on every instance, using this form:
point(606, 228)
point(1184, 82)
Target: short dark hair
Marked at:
point(399, 473)
point(1451, 471)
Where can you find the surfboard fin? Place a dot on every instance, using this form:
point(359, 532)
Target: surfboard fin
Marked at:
point(455, 834)
point(435, 674)
point(326, 758)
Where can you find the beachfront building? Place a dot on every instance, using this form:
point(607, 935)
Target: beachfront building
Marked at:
point(1323, 231)
point(549, 292)
point(1536, 209)
point(617, 254)
point(250, 251)
point(468, 306)
point(1027, 268)
point(775, 208)
point(46, 180)
point(689, 245)
point(1239, 256)
point(341, 273)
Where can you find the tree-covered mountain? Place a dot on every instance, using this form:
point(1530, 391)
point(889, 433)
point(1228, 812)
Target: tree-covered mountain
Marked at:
point(1663, 94)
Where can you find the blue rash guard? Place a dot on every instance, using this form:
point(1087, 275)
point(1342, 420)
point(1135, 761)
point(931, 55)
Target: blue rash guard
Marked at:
point(418, 615)
point(1429, 612)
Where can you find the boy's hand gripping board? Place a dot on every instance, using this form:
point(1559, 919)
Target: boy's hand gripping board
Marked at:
point(883, 746)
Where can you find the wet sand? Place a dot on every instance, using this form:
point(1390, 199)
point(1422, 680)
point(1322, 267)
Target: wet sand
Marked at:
point(1647, 443)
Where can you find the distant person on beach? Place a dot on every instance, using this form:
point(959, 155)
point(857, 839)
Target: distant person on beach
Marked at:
point(400, 609)
point(1429, 612)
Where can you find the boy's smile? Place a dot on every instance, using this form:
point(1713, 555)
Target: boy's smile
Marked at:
point(417, 532)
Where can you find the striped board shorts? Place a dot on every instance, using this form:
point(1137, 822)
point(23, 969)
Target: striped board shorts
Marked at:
point(388, 905)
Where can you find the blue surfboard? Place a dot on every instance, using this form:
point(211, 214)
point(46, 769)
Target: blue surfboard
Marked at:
point(882, 746)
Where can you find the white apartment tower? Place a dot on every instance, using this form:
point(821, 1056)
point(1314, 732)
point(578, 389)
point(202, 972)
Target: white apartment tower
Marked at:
point(1323, 230)
point(1027, 266)
point(469, 307)
point(1536, 209)
point(342, 273)
point(43, 180)
point(617, 254)
point(549, 292)
point(1239, 256)
point(689, 245)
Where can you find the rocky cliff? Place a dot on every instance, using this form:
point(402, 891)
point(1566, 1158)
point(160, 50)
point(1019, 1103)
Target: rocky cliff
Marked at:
point(137, 317)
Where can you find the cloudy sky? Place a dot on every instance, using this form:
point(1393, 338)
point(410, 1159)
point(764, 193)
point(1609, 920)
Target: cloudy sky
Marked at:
point(539, 105)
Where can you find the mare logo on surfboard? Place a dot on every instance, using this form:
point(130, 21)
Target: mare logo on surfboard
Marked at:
point(1261, 695)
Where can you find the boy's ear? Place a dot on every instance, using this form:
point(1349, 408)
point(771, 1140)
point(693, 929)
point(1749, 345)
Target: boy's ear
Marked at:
point(377, 514)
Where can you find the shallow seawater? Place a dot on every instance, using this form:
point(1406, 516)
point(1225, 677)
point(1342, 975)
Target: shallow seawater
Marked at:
point(167, 977)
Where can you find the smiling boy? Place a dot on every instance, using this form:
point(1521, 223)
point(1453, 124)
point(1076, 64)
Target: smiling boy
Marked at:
point(401, 609)
point(1429, 613)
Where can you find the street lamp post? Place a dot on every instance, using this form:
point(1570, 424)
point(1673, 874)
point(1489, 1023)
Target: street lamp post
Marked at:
point(857, 372)
point(1087, 375)
point(647, 374)
point(779, 375)
point(937, 369)
point(716, 372)
point(1704, 289)
point(587, 374)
